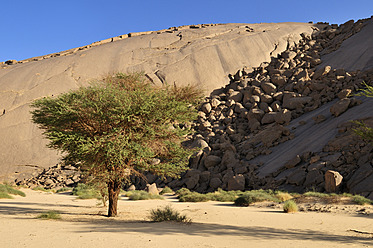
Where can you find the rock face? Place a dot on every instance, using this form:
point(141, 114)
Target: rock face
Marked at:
point(200, 54)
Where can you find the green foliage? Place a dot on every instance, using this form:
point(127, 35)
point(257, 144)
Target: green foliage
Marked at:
point(362, 130)
point(182, 191)
point(39, 188)
point(4, 195)
point(166, 190)
point(368, 91)
point(49, 215)
point(316, 194)
point(290, 207)
point(167, 213)
point(117, 125)
point(136, 195)
point(224, 196)
point(64, 189)
point(85, 191)
point(361, 200)
point(6, 191)
point(194, 197)
point(283, 196)
point(253, 196)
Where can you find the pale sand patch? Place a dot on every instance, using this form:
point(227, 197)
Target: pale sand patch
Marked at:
point(214, 225)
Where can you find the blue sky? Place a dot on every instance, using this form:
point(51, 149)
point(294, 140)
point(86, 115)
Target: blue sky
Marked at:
point(32, 28)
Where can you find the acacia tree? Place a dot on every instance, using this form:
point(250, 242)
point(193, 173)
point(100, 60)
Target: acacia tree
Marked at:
point(116, 126)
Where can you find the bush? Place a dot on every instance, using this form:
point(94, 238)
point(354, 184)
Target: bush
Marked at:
point(194, 197)
point(361, 200)
point(167, 213)
point(49, 215)
point(316, 194)
point(136, 195)
point(283, 196)
point(84, 191)
point(224, 196)
point(290, 207)
point(64, 189)
point(253, 196)
point(39, 188)
point(166, 190)
point(7, 190)
point(183, 191)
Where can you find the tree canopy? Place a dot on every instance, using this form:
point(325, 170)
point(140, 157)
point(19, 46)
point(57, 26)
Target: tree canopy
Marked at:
point(116, 126)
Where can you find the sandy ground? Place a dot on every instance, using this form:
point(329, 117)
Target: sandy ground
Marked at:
point(215, 224)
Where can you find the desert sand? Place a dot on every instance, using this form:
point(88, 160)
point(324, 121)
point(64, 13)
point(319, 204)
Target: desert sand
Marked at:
point(214, 224)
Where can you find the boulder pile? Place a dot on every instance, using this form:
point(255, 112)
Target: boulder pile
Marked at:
point(252, 113)
point(56, 177)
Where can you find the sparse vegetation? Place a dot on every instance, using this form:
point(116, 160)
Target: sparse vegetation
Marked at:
point(283, 196)
point(290, 206)
point(167, 213)
point(64, 189)
point(253, 196)
point(84, 191)
point(136, 195)
point(49, 215)
point(39, 188)
point(166, 190)
point(6, 191)
point(361, 200)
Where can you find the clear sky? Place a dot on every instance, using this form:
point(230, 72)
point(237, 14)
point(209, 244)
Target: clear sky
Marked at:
point(30, 28)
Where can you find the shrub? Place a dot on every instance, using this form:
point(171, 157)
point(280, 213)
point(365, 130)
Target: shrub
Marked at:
point(136, 195)
point(4, 195)
point(194, 197)
point(49, 215)
point(316, 194)
point(166, 190)
point(290, 207)
point(64, 189)
point(167, 213)
point(7, 190)
point(39, 188)
point(283, 196)
point(84, 191)
point(183, 191)
point(361, 200)
point(253, 196)
point(224, 196)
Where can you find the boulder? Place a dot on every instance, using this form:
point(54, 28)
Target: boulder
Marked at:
point(236, 182)
point(293, 162)
point(340, 107)
point(283, 117)
point(269, 118)
point(333, 181)
point(344, 93)
point(152, 189)
point(215, 182)
point(268, 88)
point(212, 161)
point(206, 107)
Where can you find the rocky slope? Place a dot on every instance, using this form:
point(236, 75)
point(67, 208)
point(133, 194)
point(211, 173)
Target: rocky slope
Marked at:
point(287, 123)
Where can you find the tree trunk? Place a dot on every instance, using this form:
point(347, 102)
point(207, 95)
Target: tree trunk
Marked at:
point(113, 190)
